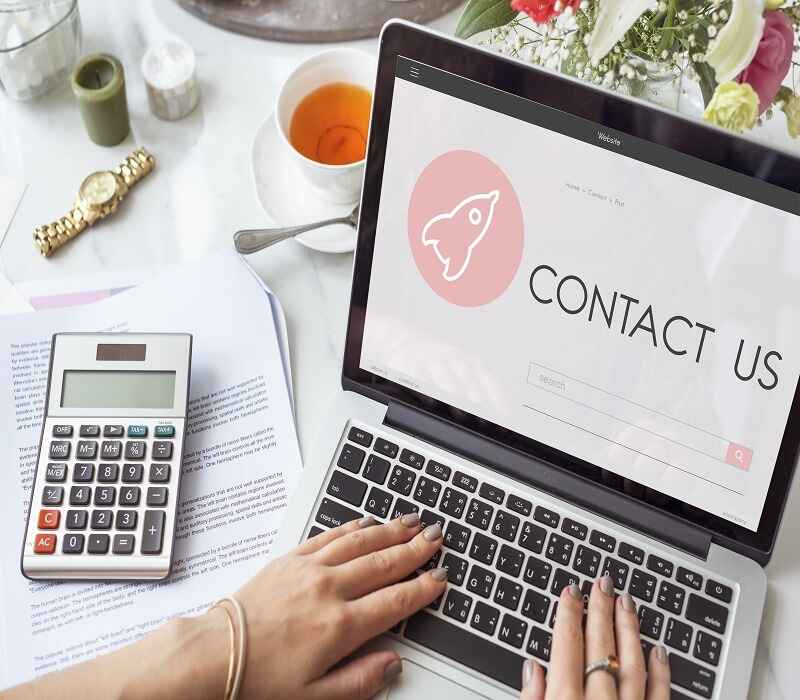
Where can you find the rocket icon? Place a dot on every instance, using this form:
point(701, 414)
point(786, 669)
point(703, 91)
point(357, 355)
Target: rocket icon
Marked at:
point(454, 234)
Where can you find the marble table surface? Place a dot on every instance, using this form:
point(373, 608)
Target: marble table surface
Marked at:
point(204, 192)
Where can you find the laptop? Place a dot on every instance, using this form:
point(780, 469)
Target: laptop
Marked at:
point(574, 341)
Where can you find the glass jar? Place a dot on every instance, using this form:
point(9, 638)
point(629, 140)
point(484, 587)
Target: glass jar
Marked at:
point(39, 44)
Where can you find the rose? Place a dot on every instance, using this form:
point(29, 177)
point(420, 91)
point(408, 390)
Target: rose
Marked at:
point(772, 60)
point(734, 106)
point(542, 11)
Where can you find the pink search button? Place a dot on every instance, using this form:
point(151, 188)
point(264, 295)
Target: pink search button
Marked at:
point(739, 456)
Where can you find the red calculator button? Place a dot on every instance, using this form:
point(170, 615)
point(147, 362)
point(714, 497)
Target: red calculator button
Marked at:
point(48, 519)
point(44, 543)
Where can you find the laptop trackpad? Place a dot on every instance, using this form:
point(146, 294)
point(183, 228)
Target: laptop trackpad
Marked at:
point(418, 682)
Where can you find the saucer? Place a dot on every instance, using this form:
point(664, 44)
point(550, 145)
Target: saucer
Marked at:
point(286, 196)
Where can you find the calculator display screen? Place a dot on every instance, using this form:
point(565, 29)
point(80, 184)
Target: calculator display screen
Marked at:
point(117, 389)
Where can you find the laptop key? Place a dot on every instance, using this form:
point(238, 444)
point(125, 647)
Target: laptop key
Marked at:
point(480, 581)
point(483, 548)
point(659, 565)
point(650, 622)
point(456, 537)
point(630, 553)
point(587, 561)
point(617, 570)
point(532, 537)
point(707, 648)
point(671, 597)
point(401, 480)
point(439, 470)
point(376, 469)
point(465, 647)
point(643, 585)
point(492, 493)
point(412, 459)
point(333, 514)
point(719, 591)
point(313, 531)
point(577, 530)
point(384, 447)
point(456, 568)
point(505, 525)
point(432, 563)
point(537, 572)
point(484, 618)
point(510, 560)
point(546, 516)
point(689, 578)
point(378, 502)
point(360, 436)
point(465, 481)
point(519, 505)
point(603, 541)
point(707, 613)
point(402, 507)
point(539, 643)
point(687, 674)
point(559, 549)
point(508, 593)
point(427, 491)
point(562, 579)
point(678, 635)
point(346, 488)
point(428, 517)
point(351, 458)
point(513, 631)
point(479, 514)
point(535, 606)
point(457, 605)
point(453, 503)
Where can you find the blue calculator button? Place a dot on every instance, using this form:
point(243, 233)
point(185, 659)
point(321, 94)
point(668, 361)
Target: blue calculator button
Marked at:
point(137, 431)
point(165, 431)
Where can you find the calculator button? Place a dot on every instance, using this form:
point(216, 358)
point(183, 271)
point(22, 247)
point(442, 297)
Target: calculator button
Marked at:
point(87, 449)
point(44, 543)
point(108, 473)
point(162, 450)
point(135, 449)
point(113, 431)
point(102, 519)
point(49, 519)
point(164, 431)
point(153, 531)
point(59, 449)
point(126, 520)
point(80, 495)
point(73, 544)
point(77, 519)
point(105, 496)
point(89, 431)
point(83, 473)
point(132, 473)
point(159, 473)
point(129, 496)
point(123, 544)
point(62, 431)
point(52, 495)
point(111, 449)
point(137, 431)
point(56, 472)
point(157, 496)
point(98, 544)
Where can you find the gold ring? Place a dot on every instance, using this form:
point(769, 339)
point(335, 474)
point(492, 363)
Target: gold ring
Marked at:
point(610, 664)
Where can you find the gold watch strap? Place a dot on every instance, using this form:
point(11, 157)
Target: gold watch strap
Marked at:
point(135, 166)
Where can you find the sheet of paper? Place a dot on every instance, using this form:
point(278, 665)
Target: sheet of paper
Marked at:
point(11, 193)
point(241, 462)
point(11, 301)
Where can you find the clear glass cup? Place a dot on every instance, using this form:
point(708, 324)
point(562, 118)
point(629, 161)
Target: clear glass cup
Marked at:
point(39, 44)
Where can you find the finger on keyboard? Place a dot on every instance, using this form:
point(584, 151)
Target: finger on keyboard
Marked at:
point(632, 675)
point(363, 541)
point(383, 609)
point(383, 567)
point(567, 662)
point(600, 636)
point(323, 539)
point(658, 677)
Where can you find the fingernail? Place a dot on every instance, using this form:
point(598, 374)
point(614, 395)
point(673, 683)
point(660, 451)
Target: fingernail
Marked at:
point(432, 532)
point(393, 669)
point(527, 672)
point(440, 574)
point(607, 585)
point(574, 591)
point(628, 603)
point(661, 654)
point(410, 519)
point(367, 522)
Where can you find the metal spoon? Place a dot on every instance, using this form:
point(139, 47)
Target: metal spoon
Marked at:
point(255, 239)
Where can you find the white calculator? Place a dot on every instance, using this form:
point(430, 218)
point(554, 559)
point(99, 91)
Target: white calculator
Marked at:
point(105, 494)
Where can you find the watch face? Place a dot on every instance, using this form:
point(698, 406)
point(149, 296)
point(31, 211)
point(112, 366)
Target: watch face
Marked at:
point(98, 188)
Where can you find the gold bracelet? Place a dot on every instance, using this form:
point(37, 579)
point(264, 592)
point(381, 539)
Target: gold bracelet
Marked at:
point(235, 675)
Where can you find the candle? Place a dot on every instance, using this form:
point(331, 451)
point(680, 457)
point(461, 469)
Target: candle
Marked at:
point(169, 73)
point(98, 82)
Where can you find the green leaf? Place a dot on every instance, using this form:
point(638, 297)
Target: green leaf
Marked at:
point(480, 15)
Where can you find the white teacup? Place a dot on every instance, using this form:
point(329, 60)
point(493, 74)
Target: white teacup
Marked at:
point(335, 183)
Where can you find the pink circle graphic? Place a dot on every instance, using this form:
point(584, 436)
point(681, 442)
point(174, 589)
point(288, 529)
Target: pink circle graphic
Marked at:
point(465, 228)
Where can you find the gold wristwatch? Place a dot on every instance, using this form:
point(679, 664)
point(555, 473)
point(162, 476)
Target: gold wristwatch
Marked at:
point(99, 195)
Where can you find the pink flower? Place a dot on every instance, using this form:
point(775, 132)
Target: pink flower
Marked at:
point(772, 60)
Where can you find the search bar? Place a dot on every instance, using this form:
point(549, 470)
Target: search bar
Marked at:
point(631, 424)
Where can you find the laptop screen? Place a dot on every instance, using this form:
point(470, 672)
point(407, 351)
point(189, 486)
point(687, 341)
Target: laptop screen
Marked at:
point(605, 296)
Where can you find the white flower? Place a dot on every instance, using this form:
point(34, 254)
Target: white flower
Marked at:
point(614, 19)
point(737, 42)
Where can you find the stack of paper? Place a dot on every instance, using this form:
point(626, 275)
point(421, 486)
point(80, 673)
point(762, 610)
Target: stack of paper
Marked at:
point(240, 465)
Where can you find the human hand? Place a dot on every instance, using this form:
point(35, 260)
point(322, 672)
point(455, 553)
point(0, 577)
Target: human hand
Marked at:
point(612, 627)
point(322, 601)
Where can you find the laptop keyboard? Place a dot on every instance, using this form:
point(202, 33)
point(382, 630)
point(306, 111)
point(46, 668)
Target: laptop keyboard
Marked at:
point(509, 558)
